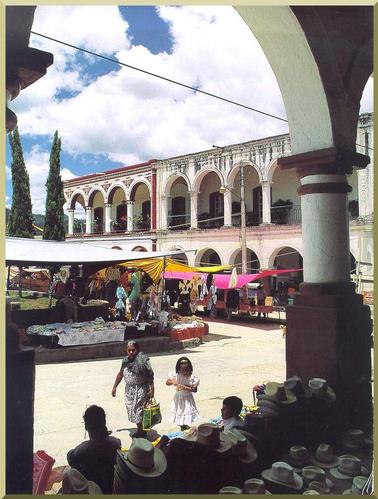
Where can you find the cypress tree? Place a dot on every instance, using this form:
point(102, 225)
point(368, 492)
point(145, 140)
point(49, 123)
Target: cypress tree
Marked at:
point(21, 216)
point(54, 217)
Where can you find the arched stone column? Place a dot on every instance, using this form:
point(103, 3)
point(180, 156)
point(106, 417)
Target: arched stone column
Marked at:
point(88, 219)
point(266, 202)
point(227, 203)
point(130, 215)
point(71, 213)
point(193, 209)
point(108, 217)
point(164, 212)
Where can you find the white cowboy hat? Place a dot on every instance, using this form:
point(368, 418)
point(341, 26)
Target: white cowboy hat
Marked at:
point(75, 483)
point(324, 457)
point(311, 492)
point(283, 474)
point(320, 389)
point(255, 486)
point(316, 474)
point(144, 459)
point(208, 434)
point(320, 487)
point(242, 448)
point(348, 467)
point(357, 485)
point(277, 392)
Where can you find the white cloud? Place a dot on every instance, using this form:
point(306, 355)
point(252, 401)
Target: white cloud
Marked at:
point(132, 117)
point(66, 174)
point(367, 97)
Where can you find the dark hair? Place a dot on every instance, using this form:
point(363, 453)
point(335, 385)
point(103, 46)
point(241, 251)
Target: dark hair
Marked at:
point(234, 403)
point(133, 343)
point(184, 360)
point(95, 421)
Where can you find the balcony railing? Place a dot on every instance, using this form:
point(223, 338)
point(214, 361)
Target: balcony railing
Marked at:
point(178, 222)
point(283, 215)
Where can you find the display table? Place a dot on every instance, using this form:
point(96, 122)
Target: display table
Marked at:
point(87, 333)
point(184, 330)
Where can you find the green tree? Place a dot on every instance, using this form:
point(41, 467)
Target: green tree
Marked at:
point(21, 216)
point(54, 217)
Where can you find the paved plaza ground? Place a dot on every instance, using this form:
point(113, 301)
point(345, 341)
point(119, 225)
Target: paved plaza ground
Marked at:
point(233, 358)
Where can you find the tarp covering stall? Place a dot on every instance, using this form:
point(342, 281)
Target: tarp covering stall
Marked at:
point(24, 252)
point(155, 267)
point(222, 281)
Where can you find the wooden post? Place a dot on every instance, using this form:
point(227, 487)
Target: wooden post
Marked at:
point(19, 282)
point(8, 280)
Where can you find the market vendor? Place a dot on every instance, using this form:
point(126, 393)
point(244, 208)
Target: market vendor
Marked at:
point(134, 296)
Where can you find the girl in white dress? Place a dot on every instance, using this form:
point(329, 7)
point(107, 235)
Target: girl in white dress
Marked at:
point(183, 408)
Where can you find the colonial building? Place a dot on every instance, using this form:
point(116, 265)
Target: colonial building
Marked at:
point(194, 202)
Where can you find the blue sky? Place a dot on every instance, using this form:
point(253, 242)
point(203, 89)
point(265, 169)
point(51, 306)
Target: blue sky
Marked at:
point(109, 116)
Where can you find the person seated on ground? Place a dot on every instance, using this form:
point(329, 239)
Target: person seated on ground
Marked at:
point(95, 458)
point(230, 412)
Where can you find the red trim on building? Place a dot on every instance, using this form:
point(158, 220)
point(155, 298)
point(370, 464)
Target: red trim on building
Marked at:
point(326, 187)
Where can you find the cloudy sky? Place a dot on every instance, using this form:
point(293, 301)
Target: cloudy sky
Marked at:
point(108, 115)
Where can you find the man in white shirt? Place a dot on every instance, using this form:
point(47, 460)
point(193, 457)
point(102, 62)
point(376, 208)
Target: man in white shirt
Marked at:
point(231, 408)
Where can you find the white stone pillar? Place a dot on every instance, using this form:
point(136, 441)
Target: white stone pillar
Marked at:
point(193, 210)
point(227, 203)
point(108, 217)
point(130, 216)
point(71, 214)
point(325, 229)
point(88, 219)
point(266, 202)
point(164, 212)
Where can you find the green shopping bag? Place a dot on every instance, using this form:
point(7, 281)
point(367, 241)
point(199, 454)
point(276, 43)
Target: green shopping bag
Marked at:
point(151, 414)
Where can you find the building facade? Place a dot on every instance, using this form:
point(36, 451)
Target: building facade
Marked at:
point(193, 202)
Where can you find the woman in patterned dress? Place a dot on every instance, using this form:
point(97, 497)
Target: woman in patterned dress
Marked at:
point(137, 372)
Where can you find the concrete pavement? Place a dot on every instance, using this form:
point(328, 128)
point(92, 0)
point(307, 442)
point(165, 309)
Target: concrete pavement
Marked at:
point(233, 358)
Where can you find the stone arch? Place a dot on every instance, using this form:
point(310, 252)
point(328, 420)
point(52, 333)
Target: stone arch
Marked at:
point(93, 192)
point(112, 190)
point(235, 170)
point(134, 186)
point(253, 260)
point(202, 174)
point(271, 169)
point(276, 252)
point(171, 179)
point(181, 258)
point(206, 252)
point(321, 98)
point(139, 248)
point(74, 198)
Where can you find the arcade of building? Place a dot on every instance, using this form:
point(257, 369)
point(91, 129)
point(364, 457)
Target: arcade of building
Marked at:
point(192, 202)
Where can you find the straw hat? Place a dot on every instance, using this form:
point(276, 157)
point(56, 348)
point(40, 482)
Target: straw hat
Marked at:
point(242, 448)
point(75, 483)
point(316, 474)
point(320, 389)
point(255, 486)
point(278, 393)
point(298, 457)
point(354, 439)
point(144, 459)
point(357, 485)
point(283, 474)
point(295, 385)
point(311, 492)
point(324, 457)
point(208, 434)
point(63, 275)
point(230, 490)
point(348, 466)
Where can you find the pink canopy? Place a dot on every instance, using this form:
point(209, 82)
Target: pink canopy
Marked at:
point(222, 281)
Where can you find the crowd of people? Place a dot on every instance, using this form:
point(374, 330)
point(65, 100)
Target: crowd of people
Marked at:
point(289, 441)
